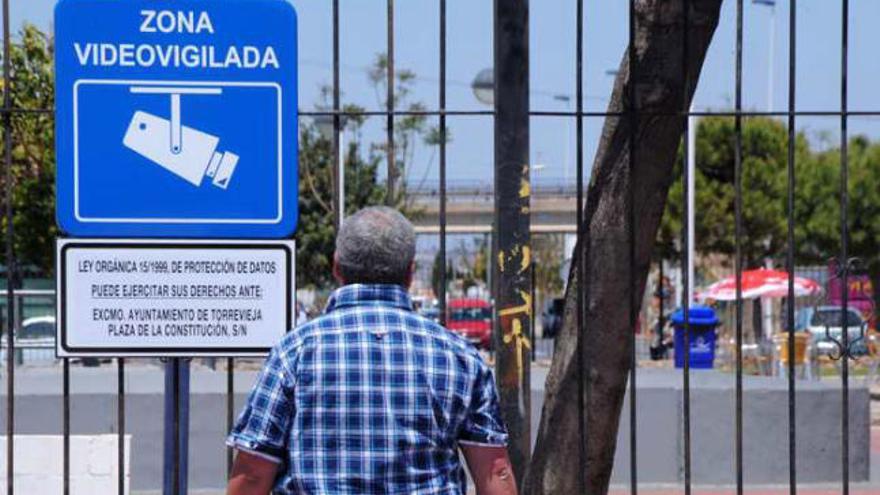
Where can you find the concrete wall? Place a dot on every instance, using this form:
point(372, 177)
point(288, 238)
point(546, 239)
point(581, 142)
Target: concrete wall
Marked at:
point(96, 413)
point(39, 467)
point(38, 410)
point(93, 407)
point(659, 421)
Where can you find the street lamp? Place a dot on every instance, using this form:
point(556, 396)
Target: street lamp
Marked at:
point(326, 126)
point(484, 87)
point(565, 99)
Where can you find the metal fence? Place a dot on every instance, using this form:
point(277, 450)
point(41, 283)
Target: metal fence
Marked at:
point(511, 120)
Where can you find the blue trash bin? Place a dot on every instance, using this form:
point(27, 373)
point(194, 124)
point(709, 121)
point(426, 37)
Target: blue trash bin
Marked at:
point(702, 323)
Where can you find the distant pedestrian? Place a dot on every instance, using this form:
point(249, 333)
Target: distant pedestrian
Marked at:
point(370, 397)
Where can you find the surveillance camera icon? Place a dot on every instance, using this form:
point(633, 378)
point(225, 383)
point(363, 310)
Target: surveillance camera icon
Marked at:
point(186, 152)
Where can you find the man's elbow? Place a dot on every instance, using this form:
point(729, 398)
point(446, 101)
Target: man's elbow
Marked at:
point(251, 475)
point(501, 480)
point(491, 471)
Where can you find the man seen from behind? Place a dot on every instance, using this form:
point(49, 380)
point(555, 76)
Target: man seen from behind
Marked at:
point(370, 397)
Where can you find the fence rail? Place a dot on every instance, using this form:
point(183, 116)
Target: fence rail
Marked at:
point(511, 119)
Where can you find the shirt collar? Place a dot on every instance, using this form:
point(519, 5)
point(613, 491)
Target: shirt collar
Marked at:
point(389, 295)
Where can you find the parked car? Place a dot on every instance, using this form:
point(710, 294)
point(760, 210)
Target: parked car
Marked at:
point(34, 341)
point(824, 321)
point(471, 318)
point(551, 318)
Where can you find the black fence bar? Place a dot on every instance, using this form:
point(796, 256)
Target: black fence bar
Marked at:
point(443, 139)
point(738, 231)
point(337, 153)
point(390, 197)
point(540, 113)
point(65, 423)
point(564, 113)
point(10, 256)
point(581, 246)
point(792, 135)
point(175, 411)
point(634, 300)
point(13, 314)
point(543, 113)
point(120, 422)
point(632, 115)
point(230, 405)
point(685, 252)
point(844, 247)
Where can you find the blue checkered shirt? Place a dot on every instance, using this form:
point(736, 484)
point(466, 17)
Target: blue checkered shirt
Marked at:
point(370, 398)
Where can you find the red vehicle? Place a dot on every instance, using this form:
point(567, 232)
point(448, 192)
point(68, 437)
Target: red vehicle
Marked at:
point(472, 319)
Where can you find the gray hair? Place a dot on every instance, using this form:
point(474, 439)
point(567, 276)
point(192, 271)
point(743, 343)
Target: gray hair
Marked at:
point(376, 245)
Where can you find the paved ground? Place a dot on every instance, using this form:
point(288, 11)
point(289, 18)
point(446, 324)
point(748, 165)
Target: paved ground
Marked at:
point(749, 491)
point(145, 380)
point(856, 489)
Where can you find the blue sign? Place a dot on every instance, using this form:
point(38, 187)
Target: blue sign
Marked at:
point(176, 118)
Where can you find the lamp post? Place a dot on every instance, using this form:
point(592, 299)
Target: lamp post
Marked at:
point(766, 309)
point(566, 99)
point(483, 87)
point(771, 49)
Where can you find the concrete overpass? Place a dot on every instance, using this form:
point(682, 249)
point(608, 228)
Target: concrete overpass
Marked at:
point(470, 208)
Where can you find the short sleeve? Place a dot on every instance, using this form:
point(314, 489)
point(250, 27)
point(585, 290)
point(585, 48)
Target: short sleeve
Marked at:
point(263, 426)
point(483, 425)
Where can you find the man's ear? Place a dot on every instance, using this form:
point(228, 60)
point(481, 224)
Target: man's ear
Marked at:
point(336, 274)
point(410, 274)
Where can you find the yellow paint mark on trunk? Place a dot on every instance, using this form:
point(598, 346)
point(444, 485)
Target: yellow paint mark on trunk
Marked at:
point(520, 342)
point(526, 307)
point(525, 189)
point(526, 259)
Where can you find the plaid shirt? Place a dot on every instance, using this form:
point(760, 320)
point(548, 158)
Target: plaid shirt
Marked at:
point(370, 398)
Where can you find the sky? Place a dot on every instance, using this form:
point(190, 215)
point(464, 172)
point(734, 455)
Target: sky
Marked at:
point(552, 58)
point(552, 48)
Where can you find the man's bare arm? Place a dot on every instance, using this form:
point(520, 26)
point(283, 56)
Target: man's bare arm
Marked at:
point(490, 469)
point(251, 475)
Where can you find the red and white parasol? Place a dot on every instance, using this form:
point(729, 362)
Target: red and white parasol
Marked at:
point(760, 283)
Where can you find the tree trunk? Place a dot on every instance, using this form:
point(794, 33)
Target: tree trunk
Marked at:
point(659, 93)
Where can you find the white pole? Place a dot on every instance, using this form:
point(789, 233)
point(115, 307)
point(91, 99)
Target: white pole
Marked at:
point(567, 143)
point(341, 175)
point(691, 186)
point(770, 58)
point(767, 304)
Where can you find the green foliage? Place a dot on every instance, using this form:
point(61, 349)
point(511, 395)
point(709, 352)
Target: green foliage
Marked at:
point(764, 182)
point(409, 129)
point(818, 233)
point(316, 235)
point(547, 258)
point(33, 152)
point(469, 266)
point(437, 272)
point(817, 213)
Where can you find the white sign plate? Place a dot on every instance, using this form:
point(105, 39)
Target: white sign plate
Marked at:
point(173, 298)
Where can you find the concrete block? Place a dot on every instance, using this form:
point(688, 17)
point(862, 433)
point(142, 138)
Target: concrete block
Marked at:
point(660, 427)
point(39, 467)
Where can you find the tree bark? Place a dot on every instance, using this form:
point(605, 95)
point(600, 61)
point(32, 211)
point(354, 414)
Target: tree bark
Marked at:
point(611, 270)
